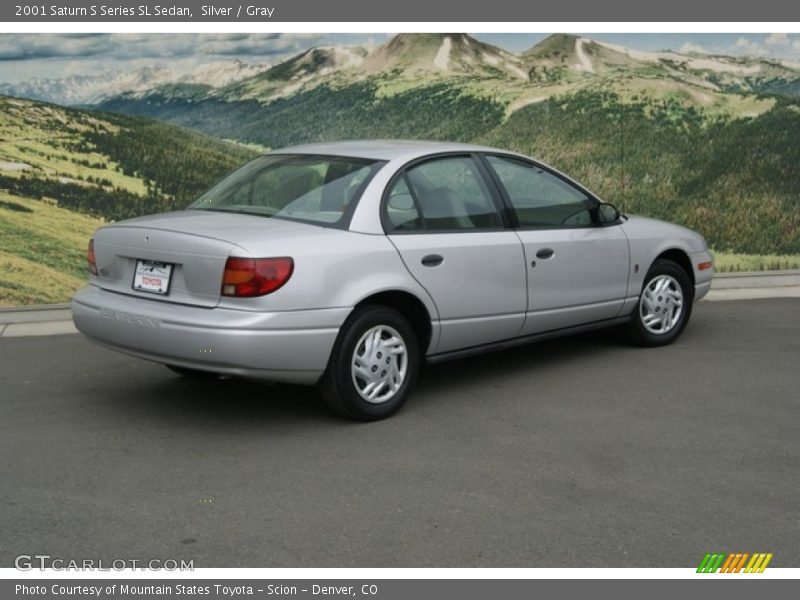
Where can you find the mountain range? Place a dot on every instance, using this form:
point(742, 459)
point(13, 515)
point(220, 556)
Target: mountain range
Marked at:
point(329, 92)
point(558, 63)
point(85, 90)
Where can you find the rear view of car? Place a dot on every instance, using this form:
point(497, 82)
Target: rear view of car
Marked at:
point(244, 281)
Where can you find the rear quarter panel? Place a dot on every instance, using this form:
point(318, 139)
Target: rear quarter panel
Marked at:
point(333, 269)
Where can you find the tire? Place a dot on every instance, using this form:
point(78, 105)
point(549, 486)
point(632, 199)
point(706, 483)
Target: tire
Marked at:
point(346, 382)
point(192, 373)
point(657, 320)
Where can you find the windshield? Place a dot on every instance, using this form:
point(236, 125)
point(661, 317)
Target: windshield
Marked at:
point(303, 187)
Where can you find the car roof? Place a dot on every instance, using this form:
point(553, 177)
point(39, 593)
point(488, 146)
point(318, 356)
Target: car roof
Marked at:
point(385, 149)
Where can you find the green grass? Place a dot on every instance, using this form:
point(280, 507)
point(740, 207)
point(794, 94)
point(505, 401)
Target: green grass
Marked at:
point(45, 137)
point(84, 167)
point(727, 262)
point(42, 251)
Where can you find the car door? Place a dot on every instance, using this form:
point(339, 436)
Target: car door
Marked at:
point(448, 228)
point(577, 269)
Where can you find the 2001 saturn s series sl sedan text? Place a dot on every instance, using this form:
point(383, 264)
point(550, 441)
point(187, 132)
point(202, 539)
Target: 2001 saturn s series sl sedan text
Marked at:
point(348, 264)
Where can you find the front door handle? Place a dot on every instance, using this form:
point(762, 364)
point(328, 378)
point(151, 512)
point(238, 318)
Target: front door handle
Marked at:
point(545, 253)
point(432, 260)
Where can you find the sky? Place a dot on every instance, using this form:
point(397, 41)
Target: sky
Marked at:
point(24, 56)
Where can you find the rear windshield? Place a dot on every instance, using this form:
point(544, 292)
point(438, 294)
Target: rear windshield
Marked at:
point(316, 189)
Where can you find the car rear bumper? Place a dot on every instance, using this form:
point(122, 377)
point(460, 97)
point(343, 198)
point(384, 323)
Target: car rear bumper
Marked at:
point(287, 346)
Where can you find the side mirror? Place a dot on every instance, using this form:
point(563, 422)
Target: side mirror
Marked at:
point(607, 213)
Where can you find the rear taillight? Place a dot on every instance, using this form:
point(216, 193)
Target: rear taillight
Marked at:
point(249, 277)
point(90, 258)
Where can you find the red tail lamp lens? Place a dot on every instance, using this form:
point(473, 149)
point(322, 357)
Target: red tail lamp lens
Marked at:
point(90, 258)
point(251, 277)
point(704, 265)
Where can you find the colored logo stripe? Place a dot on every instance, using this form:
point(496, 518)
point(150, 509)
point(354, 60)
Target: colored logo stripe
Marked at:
point(711, 563)
point(758, 563)
point(734, 562)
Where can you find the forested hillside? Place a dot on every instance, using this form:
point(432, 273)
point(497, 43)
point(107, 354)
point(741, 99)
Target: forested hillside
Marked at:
point(324, 113)
point(63, 172)
point(735, 180)
point(109, 165)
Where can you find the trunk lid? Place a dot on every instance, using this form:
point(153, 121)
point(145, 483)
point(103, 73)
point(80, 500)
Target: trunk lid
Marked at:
point(196, 244)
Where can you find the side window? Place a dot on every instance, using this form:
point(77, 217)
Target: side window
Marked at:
point(539, 198)
point(401, 209)
point(442, 194)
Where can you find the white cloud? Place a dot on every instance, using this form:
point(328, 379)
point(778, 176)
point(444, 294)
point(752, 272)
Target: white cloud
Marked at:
point(777, 39)
point(745, 46)
point(25, 56)
point(131, 46)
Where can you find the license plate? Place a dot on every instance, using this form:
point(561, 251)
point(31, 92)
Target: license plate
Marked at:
point(152, 276)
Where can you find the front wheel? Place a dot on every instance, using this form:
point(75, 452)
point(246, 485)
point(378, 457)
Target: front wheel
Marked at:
point(373, 365)
point(664, 306)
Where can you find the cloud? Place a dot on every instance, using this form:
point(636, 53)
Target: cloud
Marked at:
point(749, 47)
point(689, 48)
point(132, 46)
point(776, 45)
point(32, 46)
point(777, 39)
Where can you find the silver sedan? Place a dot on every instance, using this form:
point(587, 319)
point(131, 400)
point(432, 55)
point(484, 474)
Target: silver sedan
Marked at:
point(350, 264)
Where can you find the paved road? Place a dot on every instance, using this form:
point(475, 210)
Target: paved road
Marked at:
point(578, 452)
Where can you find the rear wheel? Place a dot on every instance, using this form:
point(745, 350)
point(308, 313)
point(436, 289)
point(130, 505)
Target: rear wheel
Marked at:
point(664, 306)
point(373, 365)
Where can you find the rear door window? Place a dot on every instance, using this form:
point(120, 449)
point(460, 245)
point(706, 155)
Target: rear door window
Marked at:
point(442, 194)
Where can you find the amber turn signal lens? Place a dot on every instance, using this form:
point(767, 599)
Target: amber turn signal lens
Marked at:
point(704, 265)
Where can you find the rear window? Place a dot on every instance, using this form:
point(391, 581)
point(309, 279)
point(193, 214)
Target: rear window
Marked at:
point(317, 189)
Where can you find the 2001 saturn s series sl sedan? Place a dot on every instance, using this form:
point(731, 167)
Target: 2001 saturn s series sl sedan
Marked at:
point(348, 264)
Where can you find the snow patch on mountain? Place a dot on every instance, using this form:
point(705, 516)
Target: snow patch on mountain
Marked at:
point(584, 64)
point(349, 57)
point(709, 64)
point(443, 55)
point(698, 63)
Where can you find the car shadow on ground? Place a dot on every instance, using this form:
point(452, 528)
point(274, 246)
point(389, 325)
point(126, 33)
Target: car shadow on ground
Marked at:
point(238, 401)
point(228, 401)
point(484, 368)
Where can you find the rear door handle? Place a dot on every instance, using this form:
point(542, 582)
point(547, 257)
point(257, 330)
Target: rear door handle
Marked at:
point(545, 253)
point(432, 260)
